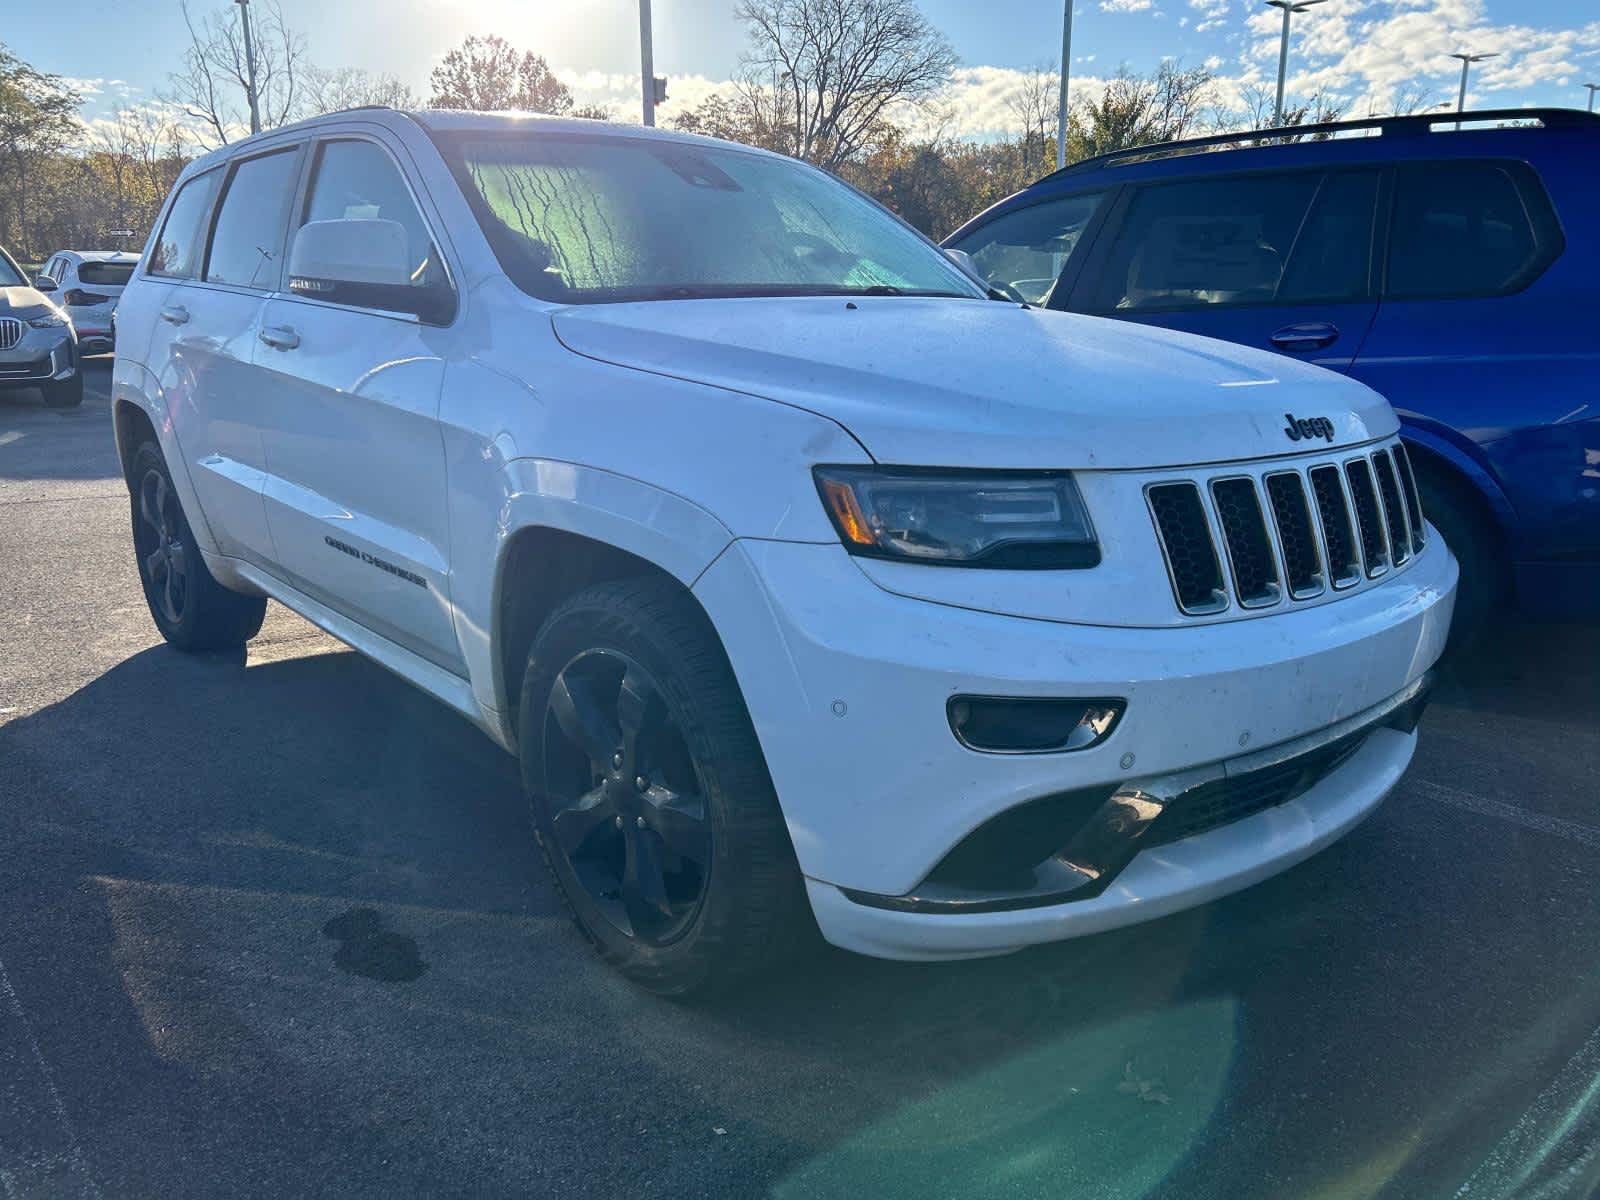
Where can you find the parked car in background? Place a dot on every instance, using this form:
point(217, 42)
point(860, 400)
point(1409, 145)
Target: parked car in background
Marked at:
point(38, 348)
point(87, 283)
point(806, 580)
point(1453, 270)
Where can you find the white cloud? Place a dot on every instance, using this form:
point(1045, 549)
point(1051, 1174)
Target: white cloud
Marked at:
point(1371, 53)
point(1126, 6)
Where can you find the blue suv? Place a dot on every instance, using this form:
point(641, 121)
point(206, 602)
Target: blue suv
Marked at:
point(1450, 265)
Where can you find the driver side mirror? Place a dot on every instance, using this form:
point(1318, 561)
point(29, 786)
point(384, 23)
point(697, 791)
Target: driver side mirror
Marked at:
point(44, 283)
point(365, 262)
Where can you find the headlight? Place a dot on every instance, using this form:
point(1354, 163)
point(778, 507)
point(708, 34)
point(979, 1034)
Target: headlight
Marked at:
point(48, 321)
point(1016, 519)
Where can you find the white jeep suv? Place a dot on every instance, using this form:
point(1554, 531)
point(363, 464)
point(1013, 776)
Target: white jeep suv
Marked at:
point(807, 581)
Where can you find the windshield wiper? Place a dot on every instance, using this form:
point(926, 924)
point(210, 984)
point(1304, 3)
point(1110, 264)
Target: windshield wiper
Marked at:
point(881, 289)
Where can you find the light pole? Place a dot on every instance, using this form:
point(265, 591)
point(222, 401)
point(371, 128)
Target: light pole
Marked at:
point(250, 66)
point(1593, 88)
point(1066, 67)
point(647, 67)
point(1466, 64)
point(1288, 6)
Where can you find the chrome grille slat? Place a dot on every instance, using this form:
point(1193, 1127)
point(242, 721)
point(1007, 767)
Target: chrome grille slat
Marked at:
point(1184, 532)
point(1394, 515)
point(1270, 536)
point(1297, 537)
point(10, 333)
point(1338, 534)
point(1369, 519)
point(1251, 560)
point(1408, 485)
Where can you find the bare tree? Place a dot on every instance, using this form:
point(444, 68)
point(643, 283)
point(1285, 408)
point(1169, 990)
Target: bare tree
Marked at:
point(822, 76)
point(212, 85)
point(1033, 105)
point(327, 91)
point(488, 74)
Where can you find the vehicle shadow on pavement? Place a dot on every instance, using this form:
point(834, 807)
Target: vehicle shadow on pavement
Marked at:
point(184, 832)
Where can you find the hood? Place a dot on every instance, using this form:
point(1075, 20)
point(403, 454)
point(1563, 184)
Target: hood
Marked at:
point(977, 383)
point(22, 302)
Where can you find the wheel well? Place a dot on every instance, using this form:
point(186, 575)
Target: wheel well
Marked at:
point(1444, 476)
point(133, 427)
point(541, 568)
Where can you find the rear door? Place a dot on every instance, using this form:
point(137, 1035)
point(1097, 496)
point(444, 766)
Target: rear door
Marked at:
point(1486, 335)
point(1280, 260)
point(206, 337)
point(352, 370)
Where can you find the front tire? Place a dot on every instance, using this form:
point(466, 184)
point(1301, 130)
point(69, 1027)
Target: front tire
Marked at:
point(651, 798)
point(191, 609)
point(1483, 589)
point(65, 393)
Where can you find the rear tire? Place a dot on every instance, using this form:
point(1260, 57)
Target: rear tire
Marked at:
point(67, 393)
point(667, 842)
point(191, 609)
point(1469, 531)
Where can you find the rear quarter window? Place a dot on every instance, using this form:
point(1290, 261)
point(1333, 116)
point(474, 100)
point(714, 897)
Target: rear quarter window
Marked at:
point(1463, 229)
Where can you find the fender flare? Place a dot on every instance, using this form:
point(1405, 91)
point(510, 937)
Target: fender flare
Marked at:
point(1462, 457)
point(135, 384)
point(663, 529)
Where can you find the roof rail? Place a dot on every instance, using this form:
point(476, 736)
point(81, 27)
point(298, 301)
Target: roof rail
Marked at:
point(1409, 126)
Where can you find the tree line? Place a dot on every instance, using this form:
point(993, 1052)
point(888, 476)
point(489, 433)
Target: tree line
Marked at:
point(858, 87)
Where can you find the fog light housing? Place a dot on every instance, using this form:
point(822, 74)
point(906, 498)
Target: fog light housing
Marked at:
point(1033, 724)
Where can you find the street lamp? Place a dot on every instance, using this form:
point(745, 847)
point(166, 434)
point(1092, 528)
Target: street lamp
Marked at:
point(1466, 64)
point(250, 66)
point(1288, 6)
point(647, 70)
point(1066, 66)
point(1593, 88)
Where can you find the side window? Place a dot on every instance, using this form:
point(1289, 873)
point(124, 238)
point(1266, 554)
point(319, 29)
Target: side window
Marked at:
point(1468, 229)
point(248, 233)
point(1025, 251)
point(361, 239)
point(176, 253)
point(1332, 254)
point(1205, 242)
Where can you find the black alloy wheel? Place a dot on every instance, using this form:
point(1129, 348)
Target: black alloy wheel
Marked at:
point(628, 811)
point(157, 539)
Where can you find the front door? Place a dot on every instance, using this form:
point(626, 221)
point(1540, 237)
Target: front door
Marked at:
point(1282, 261)
point(355, 487)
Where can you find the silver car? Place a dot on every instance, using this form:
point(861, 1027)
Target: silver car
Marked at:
point(88, 283)
point(38, 345)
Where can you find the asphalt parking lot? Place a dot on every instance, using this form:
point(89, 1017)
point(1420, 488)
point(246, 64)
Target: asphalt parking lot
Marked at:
point(273, 925)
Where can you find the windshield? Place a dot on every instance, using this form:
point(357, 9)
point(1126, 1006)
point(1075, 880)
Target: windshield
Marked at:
point(576, 219)
point(10, 273)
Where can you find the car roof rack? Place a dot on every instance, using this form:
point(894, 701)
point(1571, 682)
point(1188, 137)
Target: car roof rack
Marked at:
point(1408, 126)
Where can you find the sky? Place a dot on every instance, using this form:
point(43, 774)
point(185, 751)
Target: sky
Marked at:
point(1367, 53)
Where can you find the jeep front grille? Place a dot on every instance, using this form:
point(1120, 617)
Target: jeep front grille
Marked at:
point(10, 333)
point(1287, 533)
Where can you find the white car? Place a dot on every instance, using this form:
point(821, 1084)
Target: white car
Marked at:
point(806, 580)
point(87, 284)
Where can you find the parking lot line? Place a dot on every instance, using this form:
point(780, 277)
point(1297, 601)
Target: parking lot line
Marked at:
point(70, 1160)
point(1572, 831)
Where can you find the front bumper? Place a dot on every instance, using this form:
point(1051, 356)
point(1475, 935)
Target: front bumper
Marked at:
point(847, 685)
point(43, 355)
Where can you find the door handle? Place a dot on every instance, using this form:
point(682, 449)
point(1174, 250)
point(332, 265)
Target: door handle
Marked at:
point(175, 314)
point(1311, 336)
point(279, 337)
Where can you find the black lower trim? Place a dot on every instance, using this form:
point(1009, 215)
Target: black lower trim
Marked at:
point(1133, 817)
